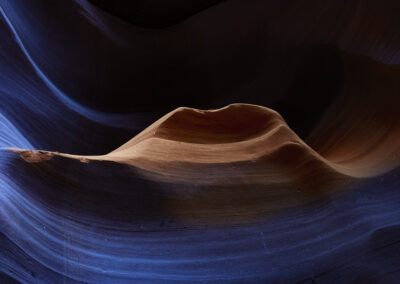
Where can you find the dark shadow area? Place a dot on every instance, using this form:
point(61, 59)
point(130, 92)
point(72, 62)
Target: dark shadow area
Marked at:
point(154, 13)
point(317, 81)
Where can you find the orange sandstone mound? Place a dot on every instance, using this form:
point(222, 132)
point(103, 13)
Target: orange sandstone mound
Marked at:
point(238, 143)
point(228, 165)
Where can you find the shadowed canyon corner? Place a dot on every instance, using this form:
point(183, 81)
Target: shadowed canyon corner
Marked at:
point(199, 141)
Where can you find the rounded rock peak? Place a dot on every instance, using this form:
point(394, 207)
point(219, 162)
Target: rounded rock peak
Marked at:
point(233, 123)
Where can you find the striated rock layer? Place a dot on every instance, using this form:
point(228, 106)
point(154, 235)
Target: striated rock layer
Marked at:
point(220, 194)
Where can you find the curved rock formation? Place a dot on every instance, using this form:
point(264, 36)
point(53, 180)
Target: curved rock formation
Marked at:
point(239, 194)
